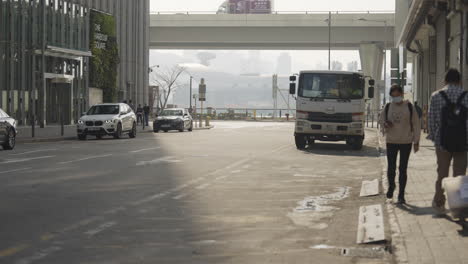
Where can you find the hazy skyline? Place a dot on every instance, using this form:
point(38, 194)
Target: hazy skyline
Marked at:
point(280, 5)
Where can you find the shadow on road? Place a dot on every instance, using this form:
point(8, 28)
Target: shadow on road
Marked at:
point(341, 150)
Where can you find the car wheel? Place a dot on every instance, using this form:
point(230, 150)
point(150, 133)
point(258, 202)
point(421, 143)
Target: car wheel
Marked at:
point(82, 137)
point(191, 127)
point(300, 142)
point(10, 141)
point(118, 133)
point(133, 132)
point(165, 131)
point(156, 131)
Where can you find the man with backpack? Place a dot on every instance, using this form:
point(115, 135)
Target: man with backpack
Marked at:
point(402, 128)
point(447, 123)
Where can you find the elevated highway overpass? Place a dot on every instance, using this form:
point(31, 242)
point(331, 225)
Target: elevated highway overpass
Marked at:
point(292, 31)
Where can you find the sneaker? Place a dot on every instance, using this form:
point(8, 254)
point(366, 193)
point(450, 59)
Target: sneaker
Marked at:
point(390, 193)
point(440, 209)
point(401, 201)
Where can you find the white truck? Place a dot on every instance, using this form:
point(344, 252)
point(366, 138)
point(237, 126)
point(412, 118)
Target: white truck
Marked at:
point(331, 106)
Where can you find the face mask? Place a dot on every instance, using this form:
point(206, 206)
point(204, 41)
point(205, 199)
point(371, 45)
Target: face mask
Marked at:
point(397, 99)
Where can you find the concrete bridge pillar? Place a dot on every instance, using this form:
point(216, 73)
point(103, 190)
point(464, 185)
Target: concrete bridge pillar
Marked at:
point(372, 56)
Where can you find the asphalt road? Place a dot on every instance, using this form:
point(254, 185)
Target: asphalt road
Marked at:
point(239, 193)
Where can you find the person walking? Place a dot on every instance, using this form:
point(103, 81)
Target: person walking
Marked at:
point(447, 123)
point(402, 128)
point(139, 114)
point(146, 110)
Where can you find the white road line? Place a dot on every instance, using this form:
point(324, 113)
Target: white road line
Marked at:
point(167, 159)
point(39, 255)
point(221, 178)
point(87, 158)
point(235, 171)
point(100, 228)
point(180, 196)
point(203, 186)
point(141, 150)
point(32, 151)
point(5, 172)
point(25, 159)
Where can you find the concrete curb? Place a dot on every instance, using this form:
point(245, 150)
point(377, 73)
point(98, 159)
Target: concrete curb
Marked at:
point(397, 242)
point(203, 128)
point(44, 140)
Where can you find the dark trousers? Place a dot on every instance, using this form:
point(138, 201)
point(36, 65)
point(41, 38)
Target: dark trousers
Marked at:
point(147, 119)
point(140, 118)
point(392, 154)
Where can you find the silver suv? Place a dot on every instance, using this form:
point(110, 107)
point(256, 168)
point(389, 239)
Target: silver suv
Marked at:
point(107, 120)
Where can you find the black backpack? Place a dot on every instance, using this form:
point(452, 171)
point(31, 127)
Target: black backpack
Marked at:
point(410, 107)
point(453, 124)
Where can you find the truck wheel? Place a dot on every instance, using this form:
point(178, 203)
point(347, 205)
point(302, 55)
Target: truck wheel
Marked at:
point(357, 144)
point(300, 142)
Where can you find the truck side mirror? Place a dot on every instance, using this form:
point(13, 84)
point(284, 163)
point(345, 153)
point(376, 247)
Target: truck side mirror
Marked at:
point(371, 92)
point(292, 88)
point(292, 78)
point(371, 82)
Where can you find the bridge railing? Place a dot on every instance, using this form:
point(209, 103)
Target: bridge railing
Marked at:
point(273, 13)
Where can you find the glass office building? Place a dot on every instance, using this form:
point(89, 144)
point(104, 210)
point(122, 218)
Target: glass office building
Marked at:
point(45, 56)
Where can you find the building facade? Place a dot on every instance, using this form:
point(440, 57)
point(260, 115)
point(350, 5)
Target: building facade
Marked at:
point(45, 56)
point(433, 34)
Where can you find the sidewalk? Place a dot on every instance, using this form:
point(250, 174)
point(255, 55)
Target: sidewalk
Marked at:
point(417, 235)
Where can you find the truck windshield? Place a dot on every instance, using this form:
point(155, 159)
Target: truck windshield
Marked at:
point(331, 86)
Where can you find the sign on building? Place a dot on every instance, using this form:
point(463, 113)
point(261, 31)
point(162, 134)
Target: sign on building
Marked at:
point(105, 59)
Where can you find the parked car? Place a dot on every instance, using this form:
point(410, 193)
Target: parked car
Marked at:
point(173, 119)
point(107, 120)
point(7, 131)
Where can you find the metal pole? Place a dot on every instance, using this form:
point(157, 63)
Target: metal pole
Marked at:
point(191, 93)
point(385, 66)
point(329, 41)
point(43, 65)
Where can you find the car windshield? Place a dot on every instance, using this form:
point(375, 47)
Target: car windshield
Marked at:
point(172, 113)
point(104, 110)
point(331, 86)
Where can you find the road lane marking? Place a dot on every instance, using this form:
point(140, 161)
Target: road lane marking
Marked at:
point(84, 159)
point(100, 228)
point(236, 171)
point(167, 159)
point(13, 250)
point(40, 255)
point(32, 151)
point(203, 186)
point(16, 170)
point(25, 159)
point(47, 237)
point(180, 196)
point(141, 150)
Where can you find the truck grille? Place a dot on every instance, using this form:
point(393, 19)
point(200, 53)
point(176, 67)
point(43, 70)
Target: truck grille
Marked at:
point(331, 118)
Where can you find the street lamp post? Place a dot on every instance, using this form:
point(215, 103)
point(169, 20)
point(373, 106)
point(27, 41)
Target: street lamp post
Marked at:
point(191, 78)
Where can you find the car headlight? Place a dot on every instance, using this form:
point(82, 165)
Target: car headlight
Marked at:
point(80, 122)
point(109, 121)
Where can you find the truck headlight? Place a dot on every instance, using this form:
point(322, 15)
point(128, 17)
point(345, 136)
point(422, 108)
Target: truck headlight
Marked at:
point(302, 115)
point(357, 117)
point(300, 123)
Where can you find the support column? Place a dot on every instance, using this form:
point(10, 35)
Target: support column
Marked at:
point(372, 63)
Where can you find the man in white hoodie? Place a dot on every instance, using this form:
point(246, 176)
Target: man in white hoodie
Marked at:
point(401, 125)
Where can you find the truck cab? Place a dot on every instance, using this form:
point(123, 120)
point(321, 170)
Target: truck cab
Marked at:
point(330, 107)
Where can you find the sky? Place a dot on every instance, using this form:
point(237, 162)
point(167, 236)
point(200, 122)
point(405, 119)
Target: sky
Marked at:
point(301, 59)
point(280, 5)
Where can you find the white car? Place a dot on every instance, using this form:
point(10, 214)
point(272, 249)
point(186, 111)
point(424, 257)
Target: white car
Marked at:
point(108, 120)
